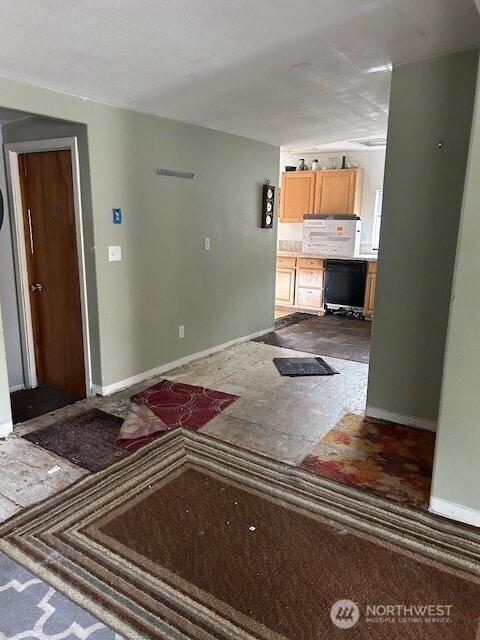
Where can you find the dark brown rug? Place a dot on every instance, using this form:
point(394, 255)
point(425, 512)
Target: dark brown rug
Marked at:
point(87, 439)
point(192, 538)
point(334, 336)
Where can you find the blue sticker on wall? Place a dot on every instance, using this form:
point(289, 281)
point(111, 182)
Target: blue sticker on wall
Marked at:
point(117, 216)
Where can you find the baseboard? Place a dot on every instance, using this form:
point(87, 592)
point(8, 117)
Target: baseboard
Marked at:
point(400, 418)
point(6, 429)
point(16, 387)
point(453, 511)
point(127, 382)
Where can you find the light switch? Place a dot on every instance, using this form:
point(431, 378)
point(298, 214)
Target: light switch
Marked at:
point(114, 254)
point(207, 244)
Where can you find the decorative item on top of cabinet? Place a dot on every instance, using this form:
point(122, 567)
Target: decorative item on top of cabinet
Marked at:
point(324, 191)
point(370, 290)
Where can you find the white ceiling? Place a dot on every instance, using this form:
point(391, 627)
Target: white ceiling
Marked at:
point(226, 65)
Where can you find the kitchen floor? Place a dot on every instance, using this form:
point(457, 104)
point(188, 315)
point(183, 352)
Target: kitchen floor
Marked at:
point(277, 416)
point(336, 336)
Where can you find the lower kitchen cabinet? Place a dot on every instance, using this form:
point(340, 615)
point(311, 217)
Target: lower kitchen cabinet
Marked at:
point(309, 293)
point(285, 286)
point(370, 289)
point(300, 284)
point(285, 281)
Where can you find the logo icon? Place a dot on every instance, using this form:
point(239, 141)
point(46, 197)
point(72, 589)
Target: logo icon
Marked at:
point(344, 614)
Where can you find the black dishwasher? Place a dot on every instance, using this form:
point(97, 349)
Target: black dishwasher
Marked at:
point(345, 285)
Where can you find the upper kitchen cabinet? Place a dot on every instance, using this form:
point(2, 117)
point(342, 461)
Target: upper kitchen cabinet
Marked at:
point(329, 191)
point(338, 191)
point(297, 195)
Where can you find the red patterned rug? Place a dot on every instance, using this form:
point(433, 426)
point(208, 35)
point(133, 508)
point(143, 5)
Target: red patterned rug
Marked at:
point(167, 405)
point(392, 460)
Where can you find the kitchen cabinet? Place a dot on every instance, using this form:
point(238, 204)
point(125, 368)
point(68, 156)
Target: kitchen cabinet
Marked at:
point(285, 282)
point(299, 283)
point(296, 195)
point(309, 285)
point(324, 191)
point(370, 289)
point(339, 191)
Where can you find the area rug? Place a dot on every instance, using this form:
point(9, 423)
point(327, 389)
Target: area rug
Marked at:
point(390, 459)
point(168, 405)
point(87, 439)
point(193, 538)
point(294, 367)
point(30, 608)
point(332, 336)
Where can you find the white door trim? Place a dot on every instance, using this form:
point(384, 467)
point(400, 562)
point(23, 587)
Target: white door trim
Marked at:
point(12, 150)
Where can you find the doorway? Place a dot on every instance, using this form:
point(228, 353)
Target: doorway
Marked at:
point(48, 249)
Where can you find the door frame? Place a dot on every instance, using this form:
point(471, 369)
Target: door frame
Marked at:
point(12, 151)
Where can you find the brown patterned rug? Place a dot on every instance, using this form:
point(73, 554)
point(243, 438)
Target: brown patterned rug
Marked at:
point(191, 538)
point(87, 439)
point(391, 459)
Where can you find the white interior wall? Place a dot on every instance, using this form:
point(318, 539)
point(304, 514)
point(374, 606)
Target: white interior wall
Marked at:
point(8, 295)
point(373, 164)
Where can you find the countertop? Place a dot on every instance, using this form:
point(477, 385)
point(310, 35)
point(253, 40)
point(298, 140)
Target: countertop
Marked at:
point(368, 257)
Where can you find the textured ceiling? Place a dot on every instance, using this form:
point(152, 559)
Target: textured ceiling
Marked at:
point(226, 65)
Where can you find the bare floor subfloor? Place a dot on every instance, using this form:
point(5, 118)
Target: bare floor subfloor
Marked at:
point(277, 416)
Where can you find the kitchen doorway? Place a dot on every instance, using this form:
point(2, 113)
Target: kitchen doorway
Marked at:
point(48, 247)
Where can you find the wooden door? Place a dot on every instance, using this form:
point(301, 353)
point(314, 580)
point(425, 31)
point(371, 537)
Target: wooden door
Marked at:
point(335, 192)
point(296, 196)
point(52, 262)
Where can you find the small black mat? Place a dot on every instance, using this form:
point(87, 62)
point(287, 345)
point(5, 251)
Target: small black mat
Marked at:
point(304, 367)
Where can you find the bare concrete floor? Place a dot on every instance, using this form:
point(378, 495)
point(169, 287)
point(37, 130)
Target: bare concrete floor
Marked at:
point(276, 416)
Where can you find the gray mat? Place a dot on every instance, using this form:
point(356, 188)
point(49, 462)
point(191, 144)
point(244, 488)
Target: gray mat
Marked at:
point(30, 608)
point(304, 367)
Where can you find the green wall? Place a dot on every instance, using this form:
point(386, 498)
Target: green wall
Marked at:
point(457, 452)
point(5, 412)
point(166, 278)
point(431, 100)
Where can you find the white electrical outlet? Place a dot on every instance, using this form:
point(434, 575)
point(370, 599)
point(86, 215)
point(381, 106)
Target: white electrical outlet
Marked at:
point(181, 331)
point(207, 244)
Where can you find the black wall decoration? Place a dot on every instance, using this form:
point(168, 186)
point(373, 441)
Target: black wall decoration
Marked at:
point(268, 205)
